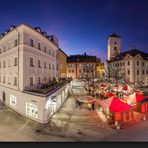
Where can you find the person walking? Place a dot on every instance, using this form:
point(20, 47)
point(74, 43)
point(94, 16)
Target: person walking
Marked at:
point(77, 103)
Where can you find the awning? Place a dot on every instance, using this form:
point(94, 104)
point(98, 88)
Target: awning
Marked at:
point(117, 105)
point(134, 98)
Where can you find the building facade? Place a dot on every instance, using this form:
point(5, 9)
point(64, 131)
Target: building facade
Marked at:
point(100, 69)
point(62, 63)
point(130, 66)
point(81, 66)
point(28, 58)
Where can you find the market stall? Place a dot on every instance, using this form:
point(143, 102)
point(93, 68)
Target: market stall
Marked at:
point(87, 101)
point(120, 111)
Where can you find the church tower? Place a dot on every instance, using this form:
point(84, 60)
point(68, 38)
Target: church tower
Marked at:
point(114, 45)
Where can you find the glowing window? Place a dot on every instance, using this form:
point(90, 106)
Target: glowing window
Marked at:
point(31, 110)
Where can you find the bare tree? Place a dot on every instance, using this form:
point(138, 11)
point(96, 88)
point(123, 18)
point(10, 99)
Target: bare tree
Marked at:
point(90, 75)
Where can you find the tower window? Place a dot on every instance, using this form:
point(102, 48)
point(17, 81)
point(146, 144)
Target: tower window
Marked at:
point(115, 43)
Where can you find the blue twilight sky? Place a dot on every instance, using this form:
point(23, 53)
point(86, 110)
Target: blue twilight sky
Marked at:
point(82, 25)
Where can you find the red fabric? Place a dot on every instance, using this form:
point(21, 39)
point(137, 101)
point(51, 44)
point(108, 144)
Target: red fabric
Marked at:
point(139, 97)
point(118, 106)
point(125, 88)
point(116, 85)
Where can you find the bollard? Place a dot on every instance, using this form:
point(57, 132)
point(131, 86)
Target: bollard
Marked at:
point(144, 118)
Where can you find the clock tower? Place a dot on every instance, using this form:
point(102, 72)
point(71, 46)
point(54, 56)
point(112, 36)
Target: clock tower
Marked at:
point(114, 45)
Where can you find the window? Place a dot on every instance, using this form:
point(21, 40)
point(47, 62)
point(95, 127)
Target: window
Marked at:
point(15, 43)
point(53, 66)
point(4, 64)
point(15, 61)
point(0, 64)
point(72, 70)
point(45, 79)
point(0, 50)
point(9, 63)
point(143, 72)
point(128, 63)
point(31, 42)
point(39, 64)
point(147, 72)
point(13, 101)
point(57, 67)
point(4, 79)
point(128, 72)
point(4, 48)
point(31, 110)
point(123, 63)
point(137, 72)
point(137, 63)
point(45, 50)
point(31, 62)
point(9, 81)
point(15, 81)
point(80, 70)
point(45, 65)
point(53, 54)
point(39, 46)
point(49, 66)
point(39, 80)
point(0, 79)
point(69, 70)
point(143, 64)
point(49, 52)
point(31, 81)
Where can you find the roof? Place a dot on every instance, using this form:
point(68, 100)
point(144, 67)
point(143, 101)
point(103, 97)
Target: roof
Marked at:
point(37, 29)
point(132, 52)
point(81, 58)
point(105, 103)
point(114, 35)
point(134, 98)
point(63, 52)
point(119, 106)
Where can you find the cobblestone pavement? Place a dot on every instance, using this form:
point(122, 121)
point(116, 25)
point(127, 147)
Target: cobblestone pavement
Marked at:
point(64, 125)
point(90, 123)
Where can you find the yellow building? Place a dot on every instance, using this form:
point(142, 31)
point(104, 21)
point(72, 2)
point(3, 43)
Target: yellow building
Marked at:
point(100, 70)
point(62, 63)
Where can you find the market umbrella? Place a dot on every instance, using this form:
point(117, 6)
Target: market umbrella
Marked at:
point(87, 99)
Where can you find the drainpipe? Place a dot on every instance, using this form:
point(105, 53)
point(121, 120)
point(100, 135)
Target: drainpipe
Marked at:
point(18, 54)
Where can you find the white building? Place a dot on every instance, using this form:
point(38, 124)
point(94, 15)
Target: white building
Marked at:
point(131, 65)
point(28, 58)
